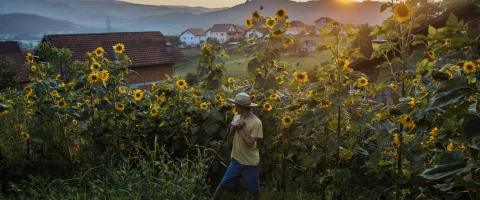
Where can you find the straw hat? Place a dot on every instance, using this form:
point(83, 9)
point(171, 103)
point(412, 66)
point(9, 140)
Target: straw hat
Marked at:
point(242, 99)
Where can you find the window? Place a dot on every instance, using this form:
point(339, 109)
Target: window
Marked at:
point(222, 34)
point(191, 38)
point(184, 38)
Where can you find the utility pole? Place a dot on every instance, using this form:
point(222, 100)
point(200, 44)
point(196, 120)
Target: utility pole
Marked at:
point(109, 25)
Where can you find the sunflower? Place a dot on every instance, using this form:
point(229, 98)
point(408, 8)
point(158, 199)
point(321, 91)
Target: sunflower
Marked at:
point(450, 147)
point(248, 23)
point(25, 98)
point(74, 122)
point(122, 89)
point(447, 41)
point(138, 95)
point(281, 14)
point(431, 54)
point(154, 112)
point(93, 77)
point(54, 93)
point(104, 75)
point(267, 106)
point(309, 93)
point(29, 57)
point(402, 12)
point(95, 65)
point(256, 15)
point(277, 33)
point(393, 86)
point(287, 42)
point(279, 80)
point(203, 106)
point(33, 68)
point(287, 121)
point(188, 121)
point(119, 107)
point(220, 99)
point(362, 81)
point(469, 67)
point(28, 90)
point(342, 62)
point(325, 104)
point(10, 102)
point(434, 131)
point(99, 51)
point(230, 80)
point(274, 96)
point(407, 121)
point(412, 102)
point(196, 99)
point(270, 22)
point(396, 139)
point(181, 83)
point(301, 77)
point(25, 136)
point(416, 81)
point(287, 24)
point(449, 72)
point(119, 48)
point(61, 104)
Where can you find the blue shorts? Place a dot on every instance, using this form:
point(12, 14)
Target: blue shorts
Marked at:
point(250, 175)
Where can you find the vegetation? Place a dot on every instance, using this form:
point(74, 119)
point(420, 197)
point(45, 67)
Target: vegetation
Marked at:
point(84, 133)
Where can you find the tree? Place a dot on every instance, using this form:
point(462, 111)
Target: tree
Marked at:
point(364, 40)
point(429, 8)
point(8, 74)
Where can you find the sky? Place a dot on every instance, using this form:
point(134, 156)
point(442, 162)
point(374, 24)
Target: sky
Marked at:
point(193, 3)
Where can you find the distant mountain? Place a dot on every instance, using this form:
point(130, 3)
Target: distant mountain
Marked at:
point(307, 12)
point(29, 24)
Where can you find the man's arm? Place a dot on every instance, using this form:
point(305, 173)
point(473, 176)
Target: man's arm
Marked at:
point(249, 141)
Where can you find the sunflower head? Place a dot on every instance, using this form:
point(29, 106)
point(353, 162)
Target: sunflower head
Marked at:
point(309, 93)
point(119, 48)
point(248, 23)
point(99, 51)
point(154, 112)
point(277, 33)
point(33, 68)
point(29, 58)
point(230, 80)
point(274, 96)
point(287, 24)
point(267, 106)
point(61, 104)
point(279, 80)
point(181, 83)
point(287, 42)
point(431, 54)
point(256, 15)
point(287, 121)
point(281, 13)
point(28, 90)
point(54, 93)
point(95, 65)
point(119, 107)
point(402, 12)
point(122, 89)
point(362, 81)
point(301, 77)
point(25, 136)
point(203, 106)
point(74, 122)
point(270, 22)
point(138, 95)
point(93, 77)
point(469, 67)
point(104, 75)
point(196, 99)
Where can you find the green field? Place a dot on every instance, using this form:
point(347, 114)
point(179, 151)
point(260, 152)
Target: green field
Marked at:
point(237, 63)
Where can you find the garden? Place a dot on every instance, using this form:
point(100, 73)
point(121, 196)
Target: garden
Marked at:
point(78, 130)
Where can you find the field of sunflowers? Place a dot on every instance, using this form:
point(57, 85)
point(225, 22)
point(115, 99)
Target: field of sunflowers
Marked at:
point(78, 130)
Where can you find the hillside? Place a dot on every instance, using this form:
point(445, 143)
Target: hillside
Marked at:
point(307, 12)
point(29, 23)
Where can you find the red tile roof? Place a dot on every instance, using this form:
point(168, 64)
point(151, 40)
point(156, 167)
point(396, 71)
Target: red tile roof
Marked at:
point(197, 31)
point(9, 47)
point(143, 48)
point(297, 24)
point(327, 19)
point(221, 28)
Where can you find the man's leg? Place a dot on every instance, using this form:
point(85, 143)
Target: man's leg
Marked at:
point(218, 192)
point(257, 195)
point(251, 177)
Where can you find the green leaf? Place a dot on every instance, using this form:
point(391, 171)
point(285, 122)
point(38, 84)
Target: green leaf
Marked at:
point(383, 137)
point(384, 163)
point(37, 140)
point(384, 76)
point(335, 31)
point(384, 7)
point(472, 128)
point(210, 128)
point(375, 157)
point(451, 92)
point(347, 154)
point(443, 171)
point(341, 175)
point(452, 22)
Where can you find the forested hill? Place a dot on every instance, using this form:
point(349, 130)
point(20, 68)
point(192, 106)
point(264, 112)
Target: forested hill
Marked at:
point(19, 23)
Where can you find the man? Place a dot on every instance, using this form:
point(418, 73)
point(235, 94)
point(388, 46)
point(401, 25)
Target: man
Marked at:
point(245, 158)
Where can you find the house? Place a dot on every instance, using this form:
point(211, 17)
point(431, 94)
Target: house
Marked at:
point(224, 32)
point(242, 28)
point(296, 28)
point(11, 50)
point(309, 45)
point(320, 23)
point(193, 36)
point(151, 53)
point(253, 32)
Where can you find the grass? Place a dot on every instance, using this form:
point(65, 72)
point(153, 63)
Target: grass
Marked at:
point(236, 65)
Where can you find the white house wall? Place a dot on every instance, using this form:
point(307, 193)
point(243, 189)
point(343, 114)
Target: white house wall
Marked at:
point(189, 38)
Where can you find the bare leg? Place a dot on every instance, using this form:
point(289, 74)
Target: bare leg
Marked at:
point(256, 195)
point(218, 192)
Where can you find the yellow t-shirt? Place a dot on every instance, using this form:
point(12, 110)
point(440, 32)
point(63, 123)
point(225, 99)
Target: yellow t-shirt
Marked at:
point(240, 151)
